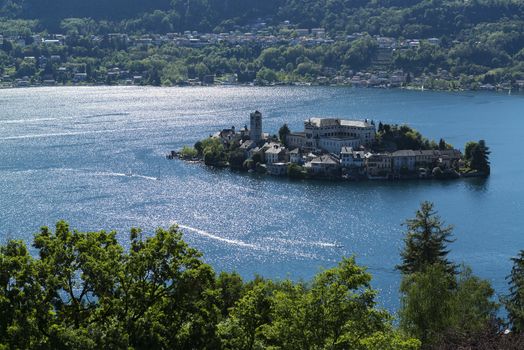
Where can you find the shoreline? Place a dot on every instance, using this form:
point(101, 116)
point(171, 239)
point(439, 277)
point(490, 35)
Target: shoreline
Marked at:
point(399, 88)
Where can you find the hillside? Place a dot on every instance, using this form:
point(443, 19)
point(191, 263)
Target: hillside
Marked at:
point(409, 18)
point(436, 44)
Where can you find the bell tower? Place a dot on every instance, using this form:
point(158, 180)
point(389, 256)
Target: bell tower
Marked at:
point(255, 126)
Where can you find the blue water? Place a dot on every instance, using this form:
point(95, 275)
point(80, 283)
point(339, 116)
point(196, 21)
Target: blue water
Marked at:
point(65, 152)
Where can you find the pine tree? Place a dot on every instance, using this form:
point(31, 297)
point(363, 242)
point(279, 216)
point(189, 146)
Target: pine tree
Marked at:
point(282, 133)
point(442, 145)
point(514, 302)
point(480, 157)
point(426, 242)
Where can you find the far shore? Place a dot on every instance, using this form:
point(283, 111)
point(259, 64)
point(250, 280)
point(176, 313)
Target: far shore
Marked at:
point(307, 85)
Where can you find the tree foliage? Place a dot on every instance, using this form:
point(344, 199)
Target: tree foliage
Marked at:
point(479, 157)
point(514, 302)
point(480, 41)
point(426, 242)
point(282, 133)
point(85, 291)
point(437, 306)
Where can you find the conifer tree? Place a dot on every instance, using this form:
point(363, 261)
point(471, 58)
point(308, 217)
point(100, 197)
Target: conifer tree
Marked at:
point(514, 302)
point(426, 242)
point(480, 157)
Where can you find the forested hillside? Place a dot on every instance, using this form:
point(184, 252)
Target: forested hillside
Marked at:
point(410, 18)
point(432, 44)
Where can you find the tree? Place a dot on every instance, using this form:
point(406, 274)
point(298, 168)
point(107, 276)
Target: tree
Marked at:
point(296, 171)
point(282, 133)
point(426, 300)
point(480, 158)
point(435, 313)
point(242, 329)
point(84, 292)
point(337, 311)
point(188, 152)
point(231, 287)
point(442, 145)
point(236, 158)
point(473, 309)
point(514, 302)
point(468, 150)
point(426, 242)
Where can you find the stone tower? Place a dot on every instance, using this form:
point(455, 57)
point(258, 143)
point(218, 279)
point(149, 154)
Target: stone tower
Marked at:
point(255, 126)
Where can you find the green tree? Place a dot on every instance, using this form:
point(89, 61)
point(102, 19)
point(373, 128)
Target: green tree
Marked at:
point(514, 302)
point(442, 145)
point(435, 313)
point(231, 288)
point(426, 242)
point(85, 292)
point(480, 158)
point(188, 152)
point(242, 329)
point(282, 133)
point(468, 149)
point(426, 303)
point(267, 75)
point(236, 158)
point(473, 308)
point(296, 171)
point(336, 312)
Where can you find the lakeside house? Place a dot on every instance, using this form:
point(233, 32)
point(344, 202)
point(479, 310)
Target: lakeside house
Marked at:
point(275, 153)
point(349, 158)
point(324, 165)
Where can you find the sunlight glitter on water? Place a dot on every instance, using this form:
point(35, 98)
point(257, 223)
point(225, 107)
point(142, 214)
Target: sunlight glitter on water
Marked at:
point(66, 153)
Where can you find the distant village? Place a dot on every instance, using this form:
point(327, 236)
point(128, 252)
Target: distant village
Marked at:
point(327, 148)
point(70, 71)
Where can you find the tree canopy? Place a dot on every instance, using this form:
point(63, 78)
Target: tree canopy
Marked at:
point(426, 242)
point(85, 291)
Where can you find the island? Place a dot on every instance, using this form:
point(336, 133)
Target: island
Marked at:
point(338, 149)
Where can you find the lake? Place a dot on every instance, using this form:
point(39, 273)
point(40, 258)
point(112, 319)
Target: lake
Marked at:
point(65, 153)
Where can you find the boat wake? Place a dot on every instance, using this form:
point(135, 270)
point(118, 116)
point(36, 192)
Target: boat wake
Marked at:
point(58, 134)
point(221, 239)
point(102, 173)
point(310, 243)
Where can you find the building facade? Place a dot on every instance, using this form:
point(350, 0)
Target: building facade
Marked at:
point(331, 134)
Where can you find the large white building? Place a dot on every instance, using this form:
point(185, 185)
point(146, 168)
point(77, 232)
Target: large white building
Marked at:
point(330, 134)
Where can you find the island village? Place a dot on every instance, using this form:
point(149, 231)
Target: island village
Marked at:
point(336, 148)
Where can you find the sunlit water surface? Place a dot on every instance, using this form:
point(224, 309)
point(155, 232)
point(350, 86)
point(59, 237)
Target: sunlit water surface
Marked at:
point(65, 154)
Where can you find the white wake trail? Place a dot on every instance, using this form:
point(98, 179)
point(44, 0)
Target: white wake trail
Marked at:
point(58, 134)
point(222, 239)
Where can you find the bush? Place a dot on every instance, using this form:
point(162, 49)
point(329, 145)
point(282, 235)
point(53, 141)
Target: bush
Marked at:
point(188, 152)
point(296, 171)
